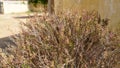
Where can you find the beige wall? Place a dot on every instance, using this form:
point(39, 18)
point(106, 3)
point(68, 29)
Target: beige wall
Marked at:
point(107, 8)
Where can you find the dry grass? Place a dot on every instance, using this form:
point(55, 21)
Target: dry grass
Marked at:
point(66, 41)
point(37, 7)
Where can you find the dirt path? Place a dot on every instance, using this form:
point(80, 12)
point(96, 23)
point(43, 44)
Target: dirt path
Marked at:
point(9, 25)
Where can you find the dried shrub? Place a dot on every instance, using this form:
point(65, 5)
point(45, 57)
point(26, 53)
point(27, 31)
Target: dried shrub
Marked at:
point(66, 41)
point(38, 7)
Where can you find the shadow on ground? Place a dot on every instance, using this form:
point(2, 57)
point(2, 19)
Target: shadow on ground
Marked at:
point(4, 42)
point(25, 17)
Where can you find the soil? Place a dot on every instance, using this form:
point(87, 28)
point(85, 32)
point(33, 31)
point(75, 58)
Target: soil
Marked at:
point(9, 26)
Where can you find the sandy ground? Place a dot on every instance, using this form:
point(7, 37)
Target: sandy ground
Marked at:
point(9, 25)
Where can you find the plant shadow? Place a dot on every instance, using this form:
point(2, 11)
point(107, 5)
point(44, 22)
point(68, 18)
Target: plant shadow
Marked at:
point(5, 41)
point(26, 17)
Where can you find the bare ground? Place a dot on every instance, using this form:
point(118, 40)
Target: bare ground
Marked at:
point(9, 26)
